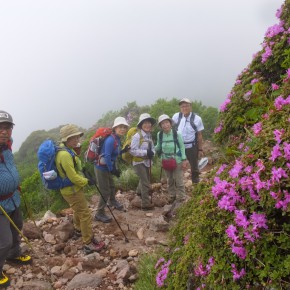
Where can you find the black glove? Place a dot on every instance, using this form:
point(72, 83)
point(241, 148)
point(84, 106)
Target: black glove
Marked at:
point(116, 172)
point(126, 149)
point(150, 153)
point(91, 181)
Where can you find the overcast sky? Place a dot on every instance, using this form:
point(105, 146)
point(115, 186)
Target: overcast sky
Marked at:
point(66, 61)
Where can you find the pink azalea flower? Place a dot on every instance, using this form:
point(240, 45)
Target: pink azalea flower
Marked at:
point(274, 30)
point(253, 81)
point(279, 103)
point(275, 87)
point(235, 171)
point(238, 82)
point(219, 128)
point(239, 251)
point(240, 219)
point(278, 134)
point(259, 163)
point(257, 128)
point(221, 169)
point(279, 12)
point(223, 107)
point(266, 54)
point(258, 220)
point(275, 152)
point(247, 95)
point(286, 148)
point(278, 173)
point(237, 274)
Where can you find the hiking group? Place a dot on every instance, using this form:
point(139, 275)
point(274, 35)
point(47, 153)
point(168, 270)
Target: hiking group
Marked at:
point(179, 143)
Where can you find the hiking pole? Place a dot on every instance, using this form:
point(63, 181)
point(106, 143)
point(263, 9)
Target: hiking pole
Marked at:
point(89, 176)
point(26, 241)
point(126, 239)
point(150, 167)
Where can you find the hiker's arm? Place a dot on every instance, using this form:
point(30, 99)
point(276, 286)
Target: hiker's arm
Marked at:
point(200, 143)
point(182, 150)
point(70, 171)
point(158, 145)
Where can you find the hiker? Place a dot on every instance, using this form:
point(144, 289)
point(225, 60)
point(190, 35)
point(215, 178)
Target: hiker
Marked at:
point(9, 201)
point(71, 167)
point(171, 148)
point(105, 168)
point(190, 125)
point(142, 149)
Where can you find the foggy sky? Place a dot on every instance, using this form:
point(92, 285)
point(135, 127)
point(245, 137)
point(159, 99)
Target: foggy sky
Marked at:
point(72, 61)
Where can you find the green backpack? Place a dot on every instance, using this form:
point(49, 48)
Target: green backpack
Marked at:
point(127, 156)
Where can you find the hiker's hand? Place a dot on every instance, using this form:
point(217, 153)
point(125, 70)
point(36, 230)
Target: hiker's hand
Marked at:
point(150, 153)
point(184, 164)
point(91, 181)
point(116, 172)
point(125, 149)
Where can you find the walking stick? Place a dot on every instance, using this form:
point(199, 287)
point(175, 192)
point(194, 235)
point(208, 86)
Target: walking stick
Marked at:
point(89, 176)
point(150, 171)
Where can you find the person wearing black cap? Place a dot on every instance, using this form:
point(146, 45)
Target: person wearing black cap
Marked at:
point(142, 149)
point(9, 201)
point(190, 126)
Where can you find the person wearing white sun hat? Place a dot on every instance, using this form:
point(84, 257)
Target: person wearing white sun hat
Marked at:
point(106, 168)
point(142, 149)
point(171, 149)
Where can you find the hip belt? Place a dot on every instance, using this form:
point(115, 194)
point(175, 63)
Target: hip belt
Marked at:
point(6, 196)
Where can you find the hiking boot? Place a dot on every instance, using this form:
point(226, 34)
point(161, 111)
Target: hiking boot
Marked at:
point(101, 217)
point(21, 259)
point(4, 280)
point(76, 234)
point(148, 207)
point(93, 246)
point(116, 205)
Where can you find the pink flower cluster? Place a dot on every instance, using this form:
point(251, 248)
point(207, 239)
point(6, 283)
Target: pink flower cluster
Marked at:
point(237, 274)
point(162, 274)
point(274, 30)
point(245, 230)
point(266, 54)
point(219, 128)
point(223, 107)
point(257, 128)
point(280, 102)
point(201, 270)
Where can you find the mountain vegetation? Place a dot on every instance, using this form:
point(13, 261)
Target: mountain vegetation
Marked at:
point(234, 232)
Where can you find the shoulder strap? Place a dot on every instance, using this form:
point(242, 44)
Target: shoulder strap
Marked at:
point(160, 139)
point(192, 117)
point(179, 119)
point(58, 148)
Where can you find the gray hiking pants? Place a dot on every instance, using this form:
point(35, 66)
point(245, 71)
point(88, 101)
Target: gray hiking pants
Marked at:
point(144, 185)
point(192, 157)
point(107, 187)
point(9, 237)
point(175, 183)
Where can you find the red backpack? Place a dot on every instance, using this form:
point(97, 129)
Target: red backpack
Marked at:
point(96, 142)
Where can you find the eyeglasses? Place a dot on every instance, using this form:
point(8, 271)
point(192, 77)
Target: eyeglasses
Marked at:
point(185, 106)
point(6, 127)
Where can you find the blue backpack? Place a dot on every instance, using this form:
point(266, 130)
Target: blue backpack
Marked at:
point(47, 168)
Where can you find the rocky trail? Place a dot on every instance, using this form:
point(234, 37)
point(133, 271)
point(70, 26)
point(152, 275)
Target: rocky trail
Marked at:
point(60, 263)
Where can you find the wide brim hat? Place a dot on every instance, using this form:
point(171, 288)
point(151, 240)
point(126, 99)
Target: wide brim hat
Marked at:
point(68, 131)
point(162, 118)
point(145, 117)
point(120, 121)
point(184, 100)
point(6, 117)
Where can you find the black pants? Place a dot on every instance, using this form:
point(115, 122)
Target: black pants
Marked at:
point(192, 157)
